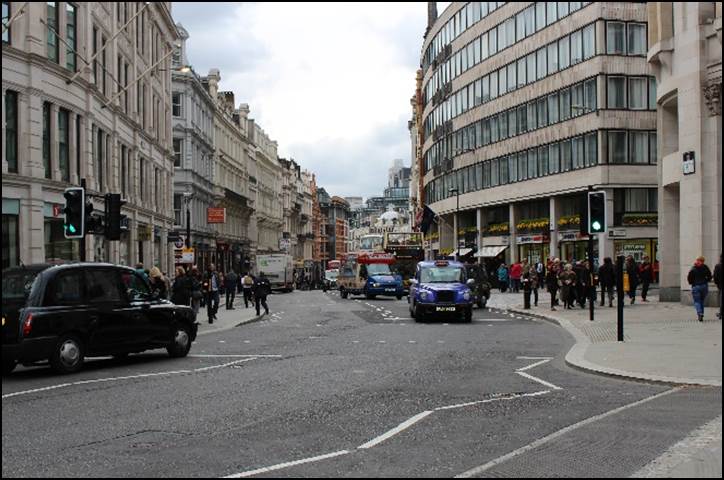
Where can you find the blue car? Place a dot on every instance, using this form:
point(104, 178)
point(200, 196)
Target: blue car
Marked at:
point(440, 289)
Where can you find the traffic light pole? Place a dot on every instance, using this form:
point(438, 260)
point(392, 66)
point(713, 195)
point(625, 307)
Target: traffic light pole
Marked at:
point(82, 238)
point(591, 287)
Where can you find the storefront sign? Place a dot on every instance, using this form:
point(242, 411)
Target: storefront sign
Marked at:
point(187, 255)
point(689, 165)
point(617, 233)
point(532, 239)
point(571, 237)
point(144, 232)
point(216, 215)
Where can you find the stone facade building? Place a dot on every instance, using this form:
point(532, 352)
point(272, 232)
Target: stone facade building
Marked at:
point(525, 105)
point(107, 121)
point(685, 53)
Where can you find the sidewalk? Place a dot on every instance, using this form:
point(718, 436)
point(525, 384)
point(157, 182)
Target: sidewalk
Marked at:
point(227, 319)
point(663, 342)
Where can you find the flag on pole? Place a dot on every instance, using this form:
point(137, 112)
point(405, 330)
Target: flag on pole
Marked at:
point(428, 216)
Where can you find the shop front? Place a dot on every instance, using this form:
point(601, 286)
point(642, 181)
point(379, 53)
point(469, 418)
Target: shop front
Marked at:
point(573, 246)
point(637, 248)
point(533, 248)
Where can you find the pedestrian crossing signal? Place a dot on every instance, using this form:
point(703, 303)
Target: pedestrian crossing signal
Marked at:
point(74, 223)
point(596, 212)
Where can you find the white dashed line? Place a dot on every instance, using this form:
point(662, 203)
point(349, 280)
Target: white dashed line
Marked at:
point(288, 464)
point(403, 426)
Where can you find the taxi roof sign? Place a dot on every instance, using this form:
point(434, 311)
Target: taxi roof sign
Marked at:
point(371, 258)
point(442, 263)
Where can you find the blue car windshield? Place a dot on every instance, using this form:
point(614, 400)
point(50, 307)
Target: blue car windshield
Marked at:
point(441, 275)
point(378, 269)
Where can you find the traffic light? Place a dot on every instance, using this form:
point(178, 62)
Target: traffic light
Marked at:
point(113, 216)
point(596, 212)
point(74, 224)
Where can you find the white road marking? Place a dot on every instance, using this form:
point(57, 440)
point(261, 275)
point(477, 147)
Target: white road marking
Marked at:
point(355, 341)
point(484, 320)
point(493, 463)
point(403, 426)
point(542, 361)
point(247, 341)
point(497, 399)
point(534, 358)
point(411, 341)
point(234, 356)
point(288, 464)
point(536, 379)
point(128, 377)
point(440, 341)
point(381, 341)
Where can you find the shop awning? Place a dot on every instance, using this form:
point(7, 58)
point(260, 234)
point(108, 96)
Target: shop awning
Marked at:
point(491, 252)
point(464, 251)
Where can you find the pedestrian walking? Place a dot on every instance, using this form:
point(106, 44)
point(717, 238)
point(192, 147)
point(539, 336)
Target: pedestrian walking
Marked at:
point(247, 285)
point(158, 285)
point(212, 284)
point(717, 281)
point(646, 276)
point(262, 288)
point(503, 278)
point(181, 290)
point(529, 281)
point(633, 277)
point(195, 283)
point(516, 272)
point(607, 280)
point(567, 283)
point(551, 280)
point(231, 280)
point(699, 278)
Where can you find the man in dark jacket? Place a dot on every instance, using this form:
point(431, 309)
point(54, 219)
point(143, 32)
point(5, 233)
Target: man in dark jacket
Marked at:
point(632, 270)
point(212, 285)
point(607, 280)
point(262, 288)
point(583, 281)
point(646, 276)
point(231, 280)
point(699, 278)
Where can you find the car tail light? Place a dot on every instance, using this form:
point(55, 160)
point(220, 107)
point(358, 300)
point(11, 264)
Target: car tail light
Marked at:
point(28, 325)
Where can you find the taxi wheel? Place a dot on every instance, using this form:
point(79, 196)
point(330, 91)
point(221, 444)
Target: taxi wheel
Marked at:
point(68, 355)
point(417, 314)
point(180, 342)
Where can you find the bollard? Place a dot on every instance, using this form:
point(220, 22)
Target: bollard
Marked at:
point(620, 294)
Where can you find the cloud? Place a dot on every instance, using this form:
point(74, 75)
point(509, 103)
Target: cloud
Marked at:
point(326, 80)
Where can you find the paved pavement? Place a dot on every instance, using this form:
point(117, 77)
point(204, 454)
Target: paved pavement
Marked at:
point(227, 319)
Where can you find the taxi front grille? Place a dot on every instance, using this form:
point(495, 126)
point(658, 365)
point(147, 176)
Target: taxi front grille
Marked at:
point(446, 296)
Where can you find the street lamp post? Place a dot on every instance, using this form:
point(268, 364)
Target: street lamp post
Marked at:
point(187, 201)
point(457, 221)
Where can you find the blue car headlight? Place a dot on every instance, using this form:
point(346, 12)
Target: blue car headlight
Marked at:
point(424, 295)
point(376, 285)
point(466, 295)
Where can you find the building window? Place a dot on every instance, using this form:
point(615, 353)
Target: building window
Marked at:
point(177, 202)
point(64, 144)
point(70, 32)
point(6, 34)
point(616, 92)
point(141, 178)
point(589, 41)
point(636, 39)
point(639, 143)
point(78, 147)
point(576, 47)
point(100, 159)
point(95, 52)
point(52, 27)
point(46, 139)
point(615, 38)
point(124, 171)
point(156, 188)
point(11, 130)
point(176, 104)
point(177, 151)
point(637, 95)
point(617, 147)
point(652, 93)
point(11, 233)
point(105, 63)
point(564, 51)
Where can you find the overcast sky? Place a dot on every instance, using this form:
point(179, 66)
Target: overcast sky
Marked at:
point(330, 82)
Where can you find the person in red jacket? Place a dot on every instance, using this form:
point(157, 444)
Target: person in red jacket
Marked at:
point(516, 271)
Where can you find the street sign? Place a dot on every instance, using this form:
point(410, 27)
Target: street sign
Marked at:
point(187, 255)
point(215, 215)
point(179, 241)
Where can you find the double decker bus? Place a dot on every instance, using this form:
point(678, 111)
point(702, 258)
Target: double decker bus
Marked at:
point(371, 243)
point(408, 249)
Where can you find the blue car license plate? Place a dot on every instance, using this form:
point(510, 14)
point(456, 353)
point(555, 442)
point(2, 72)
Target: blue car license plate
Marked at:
point(444, 309)
point(390, 289)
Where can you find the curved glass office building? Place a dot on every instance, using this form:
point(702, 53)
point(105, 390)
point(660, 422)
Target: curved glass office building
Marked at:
point(524, 106)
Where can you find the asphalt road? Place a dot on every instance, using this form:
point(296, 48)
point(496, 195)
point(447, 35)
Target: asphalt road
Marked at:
point(350, 388)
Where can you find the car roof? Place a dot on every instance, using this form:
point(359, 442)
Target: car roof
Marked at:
point(431, 263)
point(40, 267)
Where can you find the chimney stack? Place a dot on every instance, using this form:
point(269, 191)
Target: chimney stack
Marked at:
point(431, 15)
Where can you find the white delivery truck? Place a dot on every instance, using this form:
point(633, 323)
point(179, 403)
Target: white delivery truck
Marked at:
point(279, 269)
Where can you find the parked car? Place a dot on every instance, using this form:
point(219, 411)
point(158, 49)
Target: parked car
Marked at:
point(66, 313)
point(441, 288)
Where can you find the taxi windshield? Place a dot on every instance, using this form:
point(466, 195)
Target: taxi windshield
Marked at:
point(378, 269)
point(441, 275)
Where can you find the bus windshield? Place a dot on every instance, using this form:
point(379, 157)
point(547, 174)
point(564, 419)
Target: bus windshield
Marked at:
point(442, 275)
point(378, 269)
point(371, 242)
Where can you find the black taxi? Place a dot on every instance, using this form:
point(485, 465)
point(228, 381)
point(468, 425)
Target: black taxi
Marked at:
point(65, 313)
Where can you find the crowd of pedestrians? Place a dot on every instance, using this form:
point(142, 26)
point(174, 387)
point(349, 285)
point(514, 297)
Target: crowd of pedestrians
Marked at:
point(575, 283)
point(191, 287)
